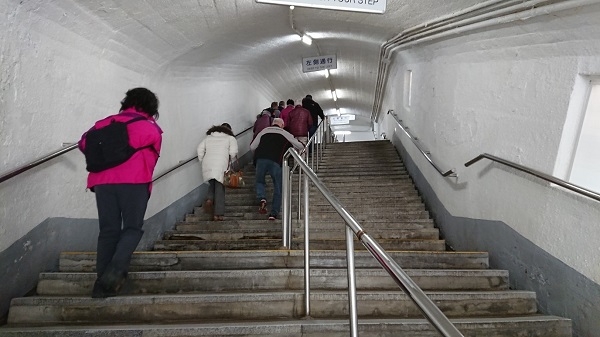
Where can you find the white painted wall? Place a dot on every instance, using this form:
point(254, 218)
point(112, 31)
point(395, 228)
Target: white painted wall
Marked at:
point(357, 136)
point(51, 93)
point(506, 92)
point(58, 74)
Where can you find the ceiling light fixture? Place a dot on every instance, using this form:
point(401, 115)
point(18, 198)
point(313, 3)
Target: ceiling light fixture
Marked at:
point(306, 39)
point(292, 7)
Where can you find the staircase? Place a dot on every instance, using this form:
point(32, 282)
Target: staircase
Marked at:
point(232, 278)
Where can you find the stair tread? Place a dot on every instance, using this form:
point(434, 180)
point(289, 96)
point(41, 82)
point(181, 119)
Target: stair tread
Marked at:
point(182, 285)
point(218, 325)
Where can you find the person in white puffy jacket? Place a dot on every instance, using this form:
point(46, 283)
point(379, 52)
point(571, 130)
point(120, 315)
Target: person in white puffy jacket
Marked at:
point(215, 152)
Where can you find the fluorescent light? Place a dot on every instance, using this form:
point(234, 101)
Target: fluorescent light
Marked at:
point(292, 7)
point(334, 95)
point(306, 39)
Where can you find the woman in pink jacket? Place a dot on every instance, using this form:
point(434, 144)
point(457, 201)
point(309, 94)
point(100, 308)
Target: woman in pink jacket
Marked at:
point(122, 192)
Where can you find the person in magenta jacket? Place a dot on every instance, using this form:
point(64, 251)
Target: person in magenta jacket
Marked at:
point(122, 192)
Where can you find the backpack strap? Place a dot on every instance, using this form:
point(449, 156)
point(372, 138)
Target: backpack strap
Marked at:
point(137, 119)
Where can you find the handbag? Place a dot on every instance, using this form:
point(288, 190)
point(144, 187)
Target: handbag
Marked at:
point(233, 178)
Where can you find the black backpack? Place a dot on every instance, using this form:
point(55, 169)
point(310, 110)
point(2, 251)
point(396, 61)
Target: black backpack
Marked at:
point(109, 146)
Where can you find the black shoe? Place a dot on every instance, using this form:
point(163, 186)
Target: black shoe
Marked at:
point(112, 280)
point(100, 292)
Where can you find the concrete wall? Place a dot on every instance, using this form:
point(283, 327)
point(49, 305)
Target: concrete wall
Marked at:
point(506, 91)
point(61, 69)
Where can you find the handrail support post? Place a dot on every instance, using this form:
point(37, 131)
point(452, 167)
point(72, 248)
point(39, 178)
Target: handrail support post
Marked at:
point(285, 193)
point(306, 252)
point(351, 282)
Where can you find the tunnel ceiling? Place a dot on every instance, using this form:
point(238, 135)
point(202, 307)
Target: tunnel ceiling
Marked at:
point(233, 38)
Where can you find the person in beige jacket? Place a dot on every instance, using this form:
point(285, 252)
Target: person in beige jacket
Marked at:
point(215, 152)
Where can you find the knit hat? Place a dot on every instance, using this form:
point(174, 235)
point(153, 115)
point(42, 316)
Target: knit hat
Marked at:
point(279, 122)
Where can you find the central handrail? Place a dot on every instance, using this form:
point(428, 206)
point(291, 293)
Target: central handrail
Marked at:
point(73, 146)
point(431, 312)
point(541, 175)
point(449, 173)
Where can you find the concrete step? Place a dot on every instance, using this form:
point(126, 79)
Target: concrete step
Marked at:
point(172, 282)
point(386, 160)
point(346, 169)
point(371, 214)
point(237, 224)
point(375, 233)
point(249, 202)
point(276, 243)
point(315, 204)
point(354, 176)
point(366, 215)
point(261, 259)
point(298, 233)
point(331, 165)
point(383, 204)
point(366, 179)
point(362, 154)
point(224, 234)
point(340, 191)
point(538, 325)
point(273, 305)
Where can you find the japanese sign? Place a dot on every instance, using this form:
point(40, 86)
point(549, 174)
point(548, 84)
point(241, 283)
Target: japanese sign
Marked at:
point(340, 120)
point(367, 6)
point(317, 63)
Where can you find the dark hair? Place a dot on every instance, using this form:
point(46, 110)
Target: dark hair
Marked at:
point(306, 102)
point(224, 128)
point(142, 100)
point(290, 101)
point(308, 96)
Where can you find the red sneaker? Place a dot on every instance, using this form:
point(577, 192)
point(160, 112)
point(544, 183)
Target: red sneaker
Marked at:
point(262, 209)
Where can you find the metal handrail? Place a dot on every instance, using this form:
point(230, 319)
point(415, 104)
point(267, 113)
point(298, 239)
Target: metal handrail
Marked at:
point(71, 147)
point(449, 173)
point(541, 175)
point(431, 312)
point(36, 162)
point(322, 134)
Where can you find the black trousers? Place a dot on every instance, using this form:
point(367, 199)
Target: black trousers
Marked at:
point(121, 209)
point(216, 192)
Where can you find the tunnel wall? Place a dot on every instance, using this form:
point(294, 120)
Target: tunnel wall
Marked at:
point(506, 91)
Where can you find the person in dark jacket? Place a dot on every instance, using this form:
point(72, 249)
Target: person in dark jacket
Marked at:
point(269, 146)
point(315, 112)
